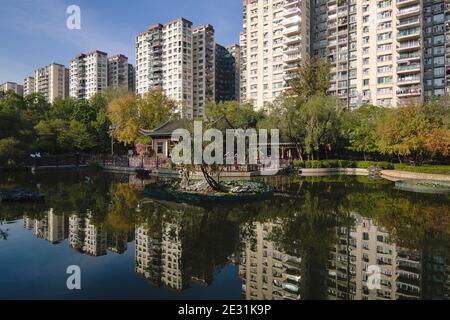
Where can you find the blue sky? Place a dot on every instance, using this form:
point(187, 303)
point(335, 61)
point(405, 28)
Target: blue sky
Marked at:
point(34, 32)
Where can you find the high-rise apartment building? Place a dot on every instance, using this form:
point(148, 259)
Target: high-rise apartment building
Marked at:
point(235, 51)
point(118, 71)
point(381, 52)
point(52, 81)
point(227, 73)
point(12, 86)
point(276, 37)
point(28, 86)
point(164, 59)
point(204, 60)
point(131, 78)
point(88, 74)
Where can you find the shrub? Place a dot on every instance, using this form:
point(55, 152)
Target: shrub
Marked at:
point(321, 164)
point(367, 164)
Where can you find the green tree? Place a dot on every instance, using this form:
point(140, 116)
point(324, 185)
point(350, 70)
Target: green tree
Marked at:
point(360, 129)
point(75, 137)
point(9, 149)
point(36, 107)
point(311, 78)
point(48, 132)
point(284, 115)
point(242, 116)
point(321, 118)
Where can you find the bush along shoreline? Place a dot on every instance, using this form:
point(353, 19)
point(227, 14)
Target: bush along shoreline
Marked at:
point(383, 165)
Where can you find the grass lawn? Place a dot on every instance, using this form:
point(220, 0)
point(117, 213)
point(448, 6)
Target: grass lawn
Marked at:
point(438, 169)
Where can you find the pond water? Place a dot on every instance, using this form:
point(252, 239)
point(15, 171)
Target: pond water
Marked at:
point(331, 237)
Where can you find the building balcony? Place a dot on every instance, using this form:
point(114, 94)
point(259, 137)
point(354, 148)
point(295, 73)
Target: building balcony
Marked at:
point(291, 30)
point(292, 40)
point(289, 12)
point(409, 80)
point(410, 22)
point(404, 3)
point(291, 67)
point(292, 21)
point(405, 46)
point(409, 56)
point(408, 12)
point(342, 13)
point(408, 34)
point(412, 68)
point(332, 16)
point(292, 57)
point(292, 50)
point(332, 34)
point(409, 91)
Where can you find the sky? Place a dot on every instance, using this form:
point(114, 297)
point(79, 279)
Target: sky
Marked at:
point(34, 32)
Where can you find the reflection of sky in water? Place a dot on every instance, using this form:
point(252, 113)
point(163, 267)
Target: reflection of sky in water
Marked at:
point(221, 252)
point(37, 270)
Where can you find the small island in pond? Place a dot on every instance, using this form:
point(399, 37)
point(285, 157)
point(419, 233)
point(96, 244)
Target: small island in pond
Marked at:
point(200, 191)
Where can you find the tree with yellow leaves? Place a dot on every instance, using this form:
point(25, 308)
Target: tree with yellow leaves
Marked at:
point(129, 113)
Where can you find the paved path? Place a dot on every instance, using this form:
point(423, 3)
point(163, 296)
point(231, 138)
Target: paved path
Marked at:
point(395, 175)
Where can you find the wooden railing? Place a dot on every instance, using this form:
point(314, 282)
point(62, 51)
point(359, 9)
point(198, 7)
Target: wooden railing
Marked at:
point(136, 162)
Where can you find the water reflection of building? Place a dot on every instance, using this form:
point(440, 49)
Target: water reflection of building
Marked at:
point(183, 246)
point(52, 227)
point(405, 273)
point(87, 237)
point(266, 272)
point(159, 256)
point(117, 242)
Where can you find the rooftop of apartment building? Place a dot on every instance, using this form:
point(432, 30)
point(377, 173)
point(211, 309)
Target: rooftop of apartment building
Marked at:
point(118, 56)
point(202, 27)
point(83, 55)
point(178, 19)
point(52, 64)
point(160, 25)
